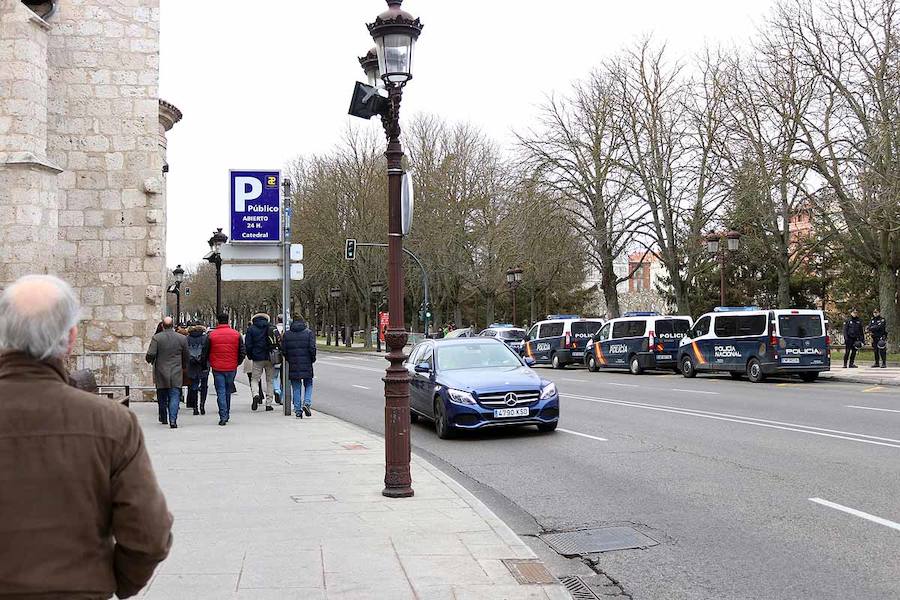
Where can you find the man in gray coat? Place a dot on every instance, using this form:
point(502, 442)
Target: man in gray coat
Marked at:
point(168, 353)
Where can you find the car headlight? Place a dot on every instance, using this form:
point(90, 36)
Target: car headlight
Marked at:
point(460, 397)
point(548, 391)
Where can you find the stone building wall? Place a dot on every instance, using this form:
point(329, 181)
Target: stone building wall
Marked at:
point(82, 188)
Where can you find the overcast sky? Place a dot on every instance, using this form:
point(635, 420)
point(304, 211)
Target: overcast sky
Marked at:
point(260, 83)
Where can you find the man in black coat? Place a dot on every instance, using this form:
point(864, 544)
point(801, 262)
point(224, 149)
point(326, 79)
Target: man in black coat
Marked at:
point(878, 328)
point(853, 334)
point(299, 348)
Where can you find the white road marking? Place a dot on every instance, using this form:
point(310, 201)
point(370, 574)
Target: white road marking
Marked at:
point(346, 366)
point(857, 513)
point(808, 429)
point(695, 392)
point(593, 437)
point(362, 387)
point(620, 384)
point(873, 408)
point(572, 380)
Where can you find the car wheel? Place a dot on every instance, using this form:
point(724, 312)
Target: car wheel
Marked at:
point(634, 365)
point(754, 371)
point(809, 376)
point(592, 364)
point(547, 427)
point(441, 423)
point(413, 417)
point(687, 367)
point(735, 374)
point(554, 360)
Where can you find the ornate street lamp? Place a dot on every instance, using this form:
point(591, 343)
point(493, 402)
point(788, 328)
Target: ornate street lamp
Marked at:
point(377, 290)
point(514, 280)
point(178, 273)
point(369, 64)
point(716, 244)
point(215, 257)
point(395, 32)
point(335, 294)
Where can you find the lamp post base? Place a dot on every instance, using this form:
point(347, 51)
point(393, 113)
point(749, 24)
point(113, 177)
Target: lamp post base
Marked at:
point(398, 492)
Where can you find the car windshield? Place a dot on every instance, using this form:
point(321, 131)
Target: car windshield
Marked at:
point(512, 334)
point(800, 326)
point(475, 356)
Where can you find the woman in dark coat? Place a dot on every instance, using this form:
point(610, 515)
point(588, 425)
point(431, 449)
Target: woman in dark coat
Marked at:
point(198, 369)
point(299, 349)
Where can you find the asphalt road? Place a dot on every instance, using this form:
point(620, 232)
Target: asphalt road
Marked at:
point(774, 490)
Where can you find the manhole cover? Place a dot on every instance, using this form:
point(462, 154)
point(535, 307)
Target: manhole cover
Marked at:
point(529, 571)
point(591, 541)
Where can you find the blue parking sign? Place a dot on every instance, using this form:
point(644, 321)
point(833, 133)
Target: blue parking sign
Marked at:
point(255, 206)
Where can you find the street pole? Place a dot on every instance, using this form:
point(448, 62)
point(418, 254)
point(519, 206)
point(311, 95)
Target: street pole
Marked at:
point(218, 285)
point(515, 320)
point(397, 479)
point(178, 304)
point(722, 276)
point(286, 287)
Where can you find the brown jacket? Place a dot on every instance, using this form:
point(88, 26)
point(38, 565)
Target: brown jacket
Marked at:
point(81, 514)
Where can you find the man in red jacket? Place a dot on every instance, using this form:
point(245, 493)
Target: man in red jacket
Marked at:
point(224, 351)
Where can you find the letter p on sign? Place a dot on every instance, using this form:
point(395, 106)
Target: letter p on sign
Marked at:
point(246, 188)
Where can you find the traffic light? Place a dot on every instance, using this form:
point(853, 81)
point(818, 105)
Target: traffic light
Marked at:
point(350, 250)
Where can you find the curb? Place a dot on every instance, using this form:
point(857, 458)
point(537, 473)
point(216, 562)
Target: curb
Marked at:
point(893, 381)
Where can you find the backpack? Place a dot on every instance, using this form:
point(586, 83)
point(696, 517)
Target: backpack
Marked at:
point(195, 353)
point(273, 344)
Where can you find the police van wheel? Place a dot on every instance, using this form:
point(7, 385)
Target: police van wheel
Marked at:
point(554, 360)
point(634, 365)
point(687, 367)
point(592, 364)
point(754, 371)
point(809, 376)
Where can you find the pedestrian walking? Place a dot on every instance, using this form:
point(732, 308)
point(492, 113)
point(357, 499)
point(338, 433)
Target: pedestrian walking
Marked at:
point(81, 513)
point(276, 381)
point(853, 338)
point(198, 369)
point(299, 348)
point(224, 352)
point(878, 328)
point(168, 353)
point(260, 343)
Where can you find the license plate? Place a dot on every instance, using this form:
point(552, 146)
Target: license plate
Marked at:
point(792, 361)
point(499, 413)
point(663, 357)
point(578, 354)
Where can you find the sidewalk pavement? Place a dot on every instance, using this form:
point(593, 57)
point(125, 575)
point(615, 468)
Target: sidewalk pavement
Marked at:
point(274, 507)
point(864, 374)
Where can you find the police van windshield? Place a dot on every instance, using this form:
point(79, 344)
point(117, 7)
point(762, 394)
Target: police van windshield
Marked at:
point(586, 329)
point(800, 326)
point(672, 328)
point(512, 334)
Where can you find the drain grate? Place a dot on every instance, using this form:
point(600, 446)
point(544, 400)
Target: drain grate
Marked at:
point(592, 541)
point(529, 571)
point(578, 588)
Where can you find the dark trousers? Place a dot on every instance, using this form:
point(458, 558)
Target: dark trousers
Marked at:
point(199, 387)
point(880, 353)
point(850, 351)
point(162, 399)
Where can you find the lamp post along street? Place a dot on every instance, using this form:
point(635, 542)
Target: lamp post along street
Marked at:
point(215, 257)
point(513, 279)
point(335, 294)
point(286, 284)
point(717, 244)
point(178, 272)
point(395, 33)
point(377, 289)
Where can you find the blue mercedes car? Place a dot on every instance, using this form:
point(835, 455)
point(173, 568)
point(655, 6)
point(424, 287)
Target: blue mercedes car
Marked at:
point(471, 383)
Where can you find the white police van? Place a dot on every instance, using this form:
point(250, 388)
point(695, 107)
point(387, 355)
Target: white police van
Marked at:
point(756, 343)
point(637, 341)
point(512, 336)
point(560, 339)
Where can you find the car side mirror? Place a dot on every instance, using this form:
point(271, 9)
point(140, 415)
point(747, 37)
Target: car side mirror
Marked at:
point(529, 362)
point(423, 368)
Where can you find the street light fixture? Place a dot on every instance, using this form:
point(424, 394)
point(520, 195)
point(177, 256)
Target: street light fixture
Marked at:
point(369, 64)
point(513, 280)
point(215, 257)
point(714, 242)
point(395, 32)
point(178, 273)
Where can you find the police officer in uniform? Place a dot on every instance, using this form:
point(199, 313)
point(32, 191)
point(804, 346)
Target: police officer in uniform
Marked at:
point(853, 338)
point(878, 328)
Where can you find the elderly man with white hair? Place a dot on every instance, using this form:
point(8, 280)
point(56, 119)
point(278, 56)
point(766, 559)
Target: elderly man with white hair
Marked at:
point(81, 513)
